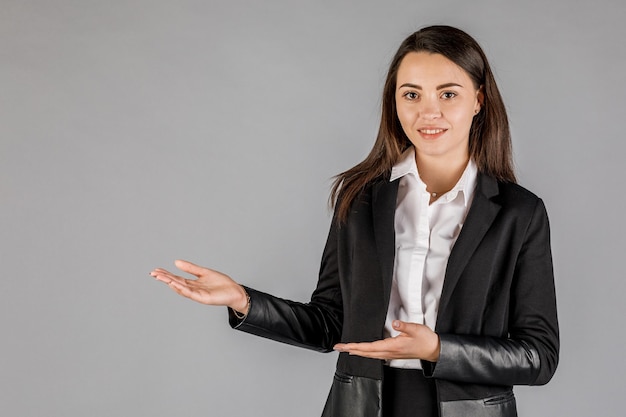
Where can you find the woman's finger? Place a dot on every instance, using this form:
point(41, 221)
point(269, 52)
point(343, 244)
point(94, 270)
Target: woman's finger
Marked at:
point(166, 276)
point(190, 268)
point(408, 328)
point(377, 346)
point(401, 326)
point(368, 350)
point(180, 289)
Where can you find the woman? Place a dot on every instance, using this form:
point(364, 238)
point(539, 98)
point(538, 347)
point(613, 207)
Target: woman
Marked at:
point(436, 281)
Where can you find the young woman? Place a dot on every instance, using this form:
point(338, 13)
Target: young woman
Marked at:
point(436, 282)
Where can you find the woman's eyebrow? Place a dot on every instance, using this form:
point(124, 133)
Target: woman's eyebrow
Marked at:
point(439, 87)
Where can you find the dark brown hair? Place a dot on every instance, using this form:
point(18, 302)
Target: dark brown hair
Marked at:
point(489, 137)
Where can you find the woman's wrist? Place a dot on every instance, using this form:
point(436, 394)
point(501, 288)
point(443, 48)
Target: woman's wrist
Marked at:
point(243, 305)
point(434, 357)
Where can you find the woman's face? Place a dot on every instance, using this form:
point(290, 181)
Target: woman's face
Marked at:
point(436, 102)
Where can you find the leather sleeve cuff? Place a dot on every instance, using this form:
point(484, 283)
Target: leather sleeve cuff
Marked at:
point(234, 321)
point(487, 360)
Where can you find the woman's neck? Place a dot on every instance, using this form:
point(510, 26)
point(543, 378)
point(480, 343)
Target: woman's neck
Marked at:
point(440, 174)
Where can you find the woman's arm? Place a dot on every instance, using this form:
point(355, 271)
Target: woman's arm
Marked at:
point(529, 356)
point(315, 325)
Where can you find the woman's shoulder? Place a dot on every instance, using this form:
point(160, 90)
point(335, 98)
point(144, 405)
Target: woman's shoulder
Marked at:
point(519, 202)
point(517, 191)
point(509, 194)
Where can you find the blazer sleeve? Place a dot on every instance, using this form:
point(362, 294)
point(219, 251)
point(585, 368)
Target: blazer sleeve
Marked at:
point(529, 356)
point(314, 325)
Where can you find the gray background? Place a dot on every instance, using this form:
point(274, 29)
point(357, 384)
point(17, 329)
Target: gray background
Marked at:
point(133, 133)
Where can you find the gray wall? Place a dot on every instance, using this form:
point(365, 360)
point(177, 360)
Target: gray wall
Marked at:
point(133, 133)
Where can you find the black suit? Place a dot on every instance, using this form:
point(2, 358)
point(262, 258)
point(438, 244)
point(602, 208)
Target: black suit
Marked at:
point(497, 317)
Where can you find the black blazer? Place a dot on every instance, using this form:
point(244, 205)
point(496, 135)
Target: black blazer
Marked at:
point(497, 318)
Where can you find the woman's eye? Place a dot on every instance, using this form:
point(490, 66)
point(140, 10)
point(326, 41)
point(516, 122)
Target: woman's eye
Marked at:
point(411, 95)
point(448, 95)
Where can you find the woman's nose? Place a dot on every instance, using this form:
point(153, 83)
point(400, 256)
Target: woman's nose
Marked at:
point(430, 109)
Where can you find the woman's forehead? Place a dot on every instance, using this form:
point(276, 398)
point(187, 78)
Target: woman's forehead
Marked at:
point(426, 69)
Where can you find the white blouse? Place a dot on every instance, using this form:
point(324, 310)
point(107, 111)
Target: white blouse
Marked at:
point(425, 235)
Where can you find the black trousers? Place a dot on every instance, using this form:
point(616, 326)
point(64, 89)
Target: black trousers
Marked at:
point(408, 393)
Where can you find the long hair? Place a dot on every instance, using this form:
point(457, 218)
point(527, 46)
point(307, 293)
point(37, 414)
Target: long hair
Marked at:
point(489, 136)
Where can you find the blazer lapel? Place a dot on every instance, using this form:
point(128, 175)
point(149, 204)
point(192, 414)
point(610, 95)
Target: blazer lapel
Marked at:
point(384, 195)
point(481, 215)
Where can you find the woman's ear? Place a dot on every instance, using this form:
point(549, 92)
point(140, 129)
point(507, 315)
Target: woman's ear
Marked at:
point(480, 95)
point(480, 99)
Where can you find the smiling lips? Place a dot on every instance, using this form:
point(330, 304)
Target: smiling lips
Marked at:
point(431, 133)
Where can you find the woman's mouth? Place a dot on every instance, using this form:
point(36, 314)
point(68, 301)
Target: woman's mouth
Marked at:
point(431, 133)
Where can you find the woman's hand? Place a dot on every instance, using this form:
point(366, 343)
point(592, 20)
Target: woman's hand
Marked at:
point(210, 287)
point(415, 341)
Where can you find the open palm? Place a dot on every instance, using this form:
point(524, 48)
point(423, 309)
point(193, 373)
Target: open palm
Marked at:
point(209, 287)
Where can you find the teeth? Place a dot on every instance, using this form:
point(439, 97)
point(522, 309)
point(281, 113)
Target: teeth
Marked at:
point(431, 131)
